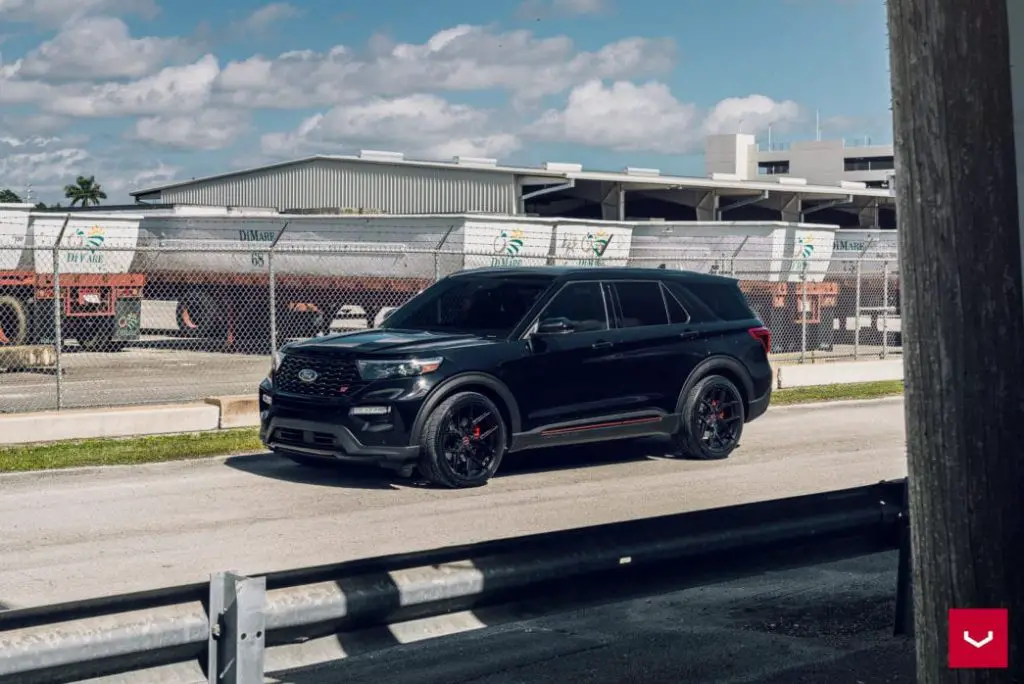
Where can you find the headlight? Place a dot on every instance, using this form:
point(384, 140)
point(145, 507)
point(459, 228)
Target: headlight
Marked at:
point(383, 370)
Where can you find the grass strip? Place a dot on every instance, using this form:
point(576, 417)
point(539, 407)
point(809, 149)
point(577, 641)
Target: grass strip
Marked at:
point(129, 450)
point(180, 447)
point(817, 393)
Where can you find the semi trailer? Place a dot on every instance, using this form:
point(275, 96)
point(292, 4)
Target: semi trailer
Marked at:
point(223, 269)
point(100, 297)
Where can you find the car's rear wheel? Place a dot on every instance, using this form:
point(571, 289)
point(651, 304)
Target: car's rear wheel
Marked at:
point(712, 419)
point(463, 441)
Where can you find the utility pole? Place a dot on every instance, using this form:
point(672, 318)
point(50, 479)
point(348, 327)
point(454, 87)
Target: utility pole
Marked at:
point(957, 173)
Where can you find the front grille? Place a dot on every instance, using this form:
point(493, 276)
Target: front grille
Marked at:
point(334, 377)
point(323, 440)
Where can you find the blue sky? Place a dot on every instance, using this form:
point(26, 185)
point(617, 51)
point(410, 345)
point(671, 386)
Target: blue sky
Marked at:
point(142, 91)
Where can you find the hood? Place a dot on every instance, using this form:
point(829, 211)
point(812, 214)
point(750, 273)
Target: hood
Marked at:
point(387, 341)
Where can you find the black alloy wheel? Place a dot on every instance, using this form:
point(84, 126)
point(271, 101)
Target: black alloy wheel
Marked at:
point(463, 441)
point(712, 419)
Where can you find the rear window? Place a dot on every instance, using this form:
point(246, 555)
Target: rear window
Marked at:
point(713, 301)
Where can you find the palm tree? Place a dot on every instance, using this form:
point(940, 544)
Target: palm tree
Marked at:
point(7, 196)
point(85, 191)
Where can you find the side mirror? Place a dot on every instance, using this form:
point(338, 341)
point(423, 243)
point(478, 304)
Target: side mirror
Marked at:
point(554, 326)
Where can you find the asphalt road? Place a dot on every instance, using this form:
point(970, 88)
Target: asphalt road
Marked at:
point(92, 532)
point(825, 623)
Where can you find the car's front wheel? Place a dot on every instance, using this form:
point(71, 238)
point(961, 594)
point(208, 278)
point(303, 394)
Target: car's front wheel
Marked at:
point(463, 441)
point(712, 419)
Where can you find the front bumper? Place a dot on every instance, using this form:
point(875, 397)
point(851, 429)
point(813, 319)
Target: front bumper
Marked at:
point(331, 442)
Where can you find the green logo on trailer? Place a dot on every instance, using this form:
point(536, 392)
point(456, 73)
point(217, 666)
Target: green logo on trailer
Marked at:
point(92, 239)
point(599, 242)
point(804, 249)
point(507, 246)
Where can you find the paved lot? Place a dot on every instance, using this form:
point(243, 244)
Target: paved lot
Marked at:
point(825, 623)
point(91, 532)
point(164, 370)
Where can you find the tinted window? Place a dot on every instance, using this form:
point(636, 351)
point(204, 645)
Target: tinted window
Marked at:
point(676, 312)
point(640, 304)
point(580, 303)
point(467, 304)
point(713, 301)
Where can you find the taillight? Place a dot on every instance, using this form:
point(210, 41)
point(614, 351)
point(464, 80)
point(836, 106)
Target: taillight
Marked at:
point(764, 336)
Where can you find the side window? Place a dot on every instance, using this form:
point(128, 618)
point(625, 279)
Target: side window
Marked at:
point(640, 303)
point(714, 301)
point(580, 303)
point(676, 312)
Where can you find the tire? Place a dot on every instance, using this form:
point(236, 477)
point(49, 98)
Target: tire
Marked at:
point(13, 322)
point(199, 315)
point(449, 436)
point(694, 442)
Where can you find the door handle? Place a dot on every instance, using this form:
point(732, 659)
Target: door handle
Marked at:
point(690, 334)
point(601, 345)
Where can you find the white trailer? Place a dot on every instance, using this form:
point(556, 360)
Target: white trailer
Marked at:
point(100, 296)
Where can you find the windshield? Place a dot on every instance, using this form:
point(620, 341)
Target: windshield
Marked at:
point(490, 306)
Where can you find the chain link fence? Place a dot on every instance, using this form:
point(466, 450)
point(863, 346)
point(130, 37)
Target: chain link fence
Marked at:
point(95, 316)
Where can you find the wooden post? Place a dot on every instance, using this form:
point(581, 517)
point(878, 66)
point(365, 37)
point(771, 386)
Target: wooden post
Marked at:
point(963, 313)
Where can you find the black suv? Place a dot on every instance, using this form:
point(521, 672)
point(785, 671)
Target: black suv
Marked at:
point(491, 361)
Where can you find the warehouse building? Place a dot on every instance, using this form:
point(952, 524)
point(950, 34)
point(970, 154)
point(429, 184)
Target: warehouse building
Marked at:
point(387, 182)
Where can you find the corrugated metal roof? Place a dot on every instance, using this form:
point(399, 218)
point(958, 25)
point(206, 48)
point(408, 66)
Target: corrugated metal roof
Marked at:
point(363, 187)
point(553, 172)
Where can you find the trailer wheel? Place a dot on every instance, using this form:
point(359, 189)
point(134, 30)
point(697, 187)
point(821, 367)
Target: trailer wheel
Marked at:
point(199, 315)
point(13, 322)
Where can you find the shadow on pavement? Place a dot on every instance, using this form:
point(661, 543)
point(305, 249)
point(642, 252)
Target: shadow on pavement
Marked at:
point(793, 616)
point(355, 476)
point(341, 475)
point(584, 456)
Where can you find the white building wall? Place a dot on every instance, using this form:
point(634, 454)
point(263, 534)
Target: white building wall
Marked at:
point(818, 161)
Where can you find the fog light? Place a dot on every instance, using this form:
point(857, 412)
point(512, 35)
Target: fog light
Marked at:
point(369, 411)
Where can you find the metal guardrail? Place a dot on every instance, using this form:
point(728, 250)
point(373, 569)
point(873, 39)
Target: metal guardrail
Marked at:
point(228, 625)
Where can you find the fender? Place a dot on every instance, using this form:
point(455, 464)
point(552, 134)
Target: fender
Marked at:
point(452, 384)
point(707, 367)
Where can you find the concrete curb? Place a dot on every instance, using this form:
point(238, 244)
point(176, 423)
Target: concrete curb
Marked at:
point(29, 357)
point(839, 373)
point(236, 411)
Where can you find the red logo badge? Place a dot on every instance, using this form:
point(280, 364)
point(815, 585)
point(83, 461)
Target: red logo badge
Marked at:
point(979, 638)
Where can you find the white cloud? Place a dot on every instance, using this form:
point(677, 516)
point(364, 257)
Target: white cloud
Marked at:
point(14, 90)
point(266, 17)
point(98, 48)
point(420, 125)
point(750, 114)
point(48, 163)
point(132, 179)
point(210, 129)
point(171, 90)
point(53, 13)
point(627, 117)
point(38, 161)
point(462, 58)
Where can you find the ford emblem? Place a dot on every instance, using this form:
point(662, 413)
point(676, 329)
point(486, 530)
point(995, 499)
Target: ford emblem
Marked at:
point(308, 375)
